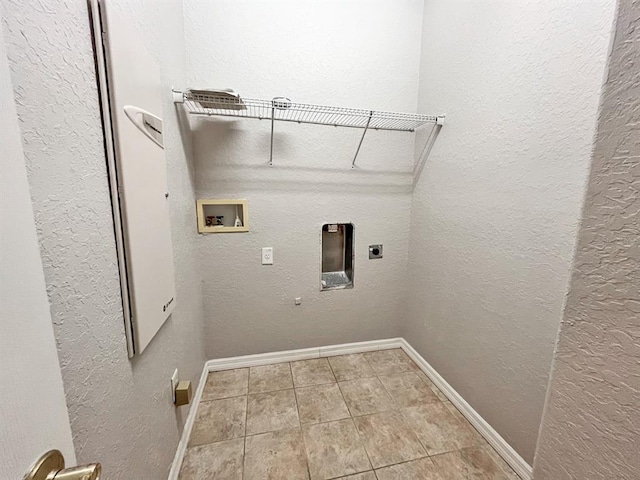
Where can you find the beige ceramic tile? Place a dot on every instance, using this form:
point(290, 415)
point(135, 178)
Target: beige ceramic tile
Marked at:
point(218, 420)
point(276, 456)
point(365, 396)
point(222, 461)
point(408, 389)
point(226, 383)
point(441, 396)
point(454, 410)
point(469, 463)
point(334, 450)
point(421, 469)
point(456, 413)
point(479, 439)
point(312, 372)
point(387, 362)
point(271, 411)
point(388, 439)
point(438, 429)
point(504, 466)
point(350, 367)
point(269, 378)
point(360, 476)
point(321, 403)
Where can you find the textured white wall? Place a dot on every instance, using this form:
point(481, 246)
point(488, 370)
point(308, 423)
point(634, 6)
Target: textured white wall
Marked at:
point(591, 426)
point(349, 53)
point(495, 215)
point(121, 411)
point(33, 412)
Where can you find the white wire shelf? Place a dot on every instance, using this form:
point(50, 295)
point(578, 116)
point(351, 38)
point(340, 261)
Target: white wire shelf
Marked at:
point(228, 104)
point(284, 110)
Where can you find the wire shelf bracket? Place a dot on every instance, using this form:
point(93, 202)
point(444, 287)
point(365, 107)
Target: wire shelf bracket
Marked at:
point(229, 104)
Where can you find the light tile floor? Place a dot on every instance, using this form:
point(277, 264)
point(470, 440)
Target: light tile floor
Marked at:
point(369, 416)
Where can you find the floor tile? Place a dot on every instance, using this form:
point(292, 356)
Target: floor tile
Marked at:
point(479, 439)
point(388, 439)
point(271, 411)
point(350, 367)
point(422, 469)
point(321, 403)
point(387, 362)
point(360, 476)
point(408, 389)
point(276, 456)
point(441, 396)
point(218, 420)
point(504, 466)
point(365, 396)
point(469, 463)
point(403, 426)
point(270, 378)
point(438, 429)
point(334, 450)
point(226, 383)
point(312, 372)
point(222, 461)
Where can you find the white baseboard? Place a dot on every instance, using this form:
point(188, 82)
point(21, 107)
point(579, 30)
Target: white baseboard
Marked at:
point(347, 348)
point(519, 465)
point(506, 451)
point(188, 425)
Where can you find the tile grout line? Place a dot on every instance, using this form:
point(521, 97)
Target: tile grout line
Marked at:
point(353, 423)
point(397, 409)
point(341, 392)
point(244, 454)
point(404, 419)
point(246, 414)
point(304, 443)
point(406, 461)
point(357, 429)
point(246, 419)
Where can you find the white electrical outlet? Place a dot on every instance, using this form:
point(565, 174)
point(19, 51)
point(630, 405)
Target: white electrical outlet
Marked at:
point(174, 384)
point(267, 255)
point(298, 300)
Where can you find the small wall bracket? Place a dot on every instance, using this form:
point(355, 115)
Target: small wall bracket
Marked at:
point(426, 150)
point(177, 95)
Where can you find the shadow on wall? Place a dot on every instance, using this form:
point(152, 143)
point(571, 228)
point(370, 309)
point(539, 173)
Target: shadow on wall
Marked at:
point(305, 157)
point(187, 144)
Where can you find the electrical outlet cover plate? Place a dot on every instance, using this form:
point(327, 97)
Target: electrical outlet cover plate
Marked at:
point(267, 255)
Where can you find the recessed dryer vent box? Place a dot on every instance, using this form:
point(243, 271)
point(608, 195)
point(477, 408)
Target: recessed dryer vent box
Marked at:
point(337, 256)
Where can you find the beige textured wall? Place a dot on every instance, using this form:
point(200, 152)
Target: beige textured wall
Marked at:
point(495, 215)
point(591, 426)
point(121, 411)
point(30, 373)
point(360, 53)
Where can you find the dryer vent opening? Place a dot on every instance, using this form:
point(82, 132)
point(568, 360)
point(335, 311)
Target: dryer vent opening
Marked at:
point(337, 256)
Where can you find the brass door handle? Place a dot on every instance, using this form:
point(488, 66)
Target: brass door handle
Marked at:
point(50, 466)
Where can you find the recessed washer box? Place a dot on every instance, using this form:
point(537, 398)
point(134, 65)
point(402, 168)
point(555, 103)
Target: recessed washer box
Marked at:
point(223, 216)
